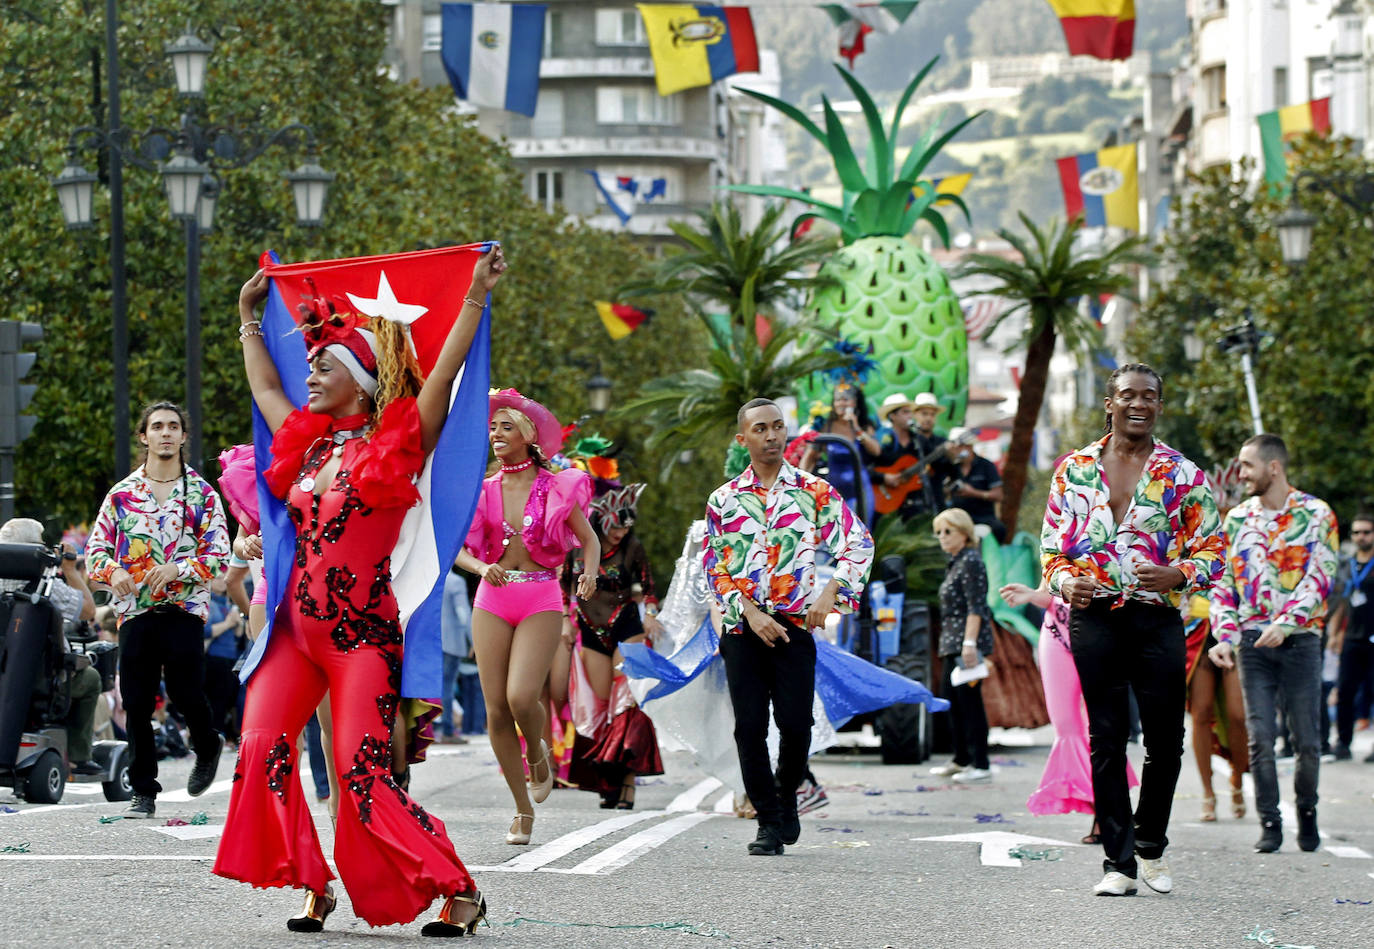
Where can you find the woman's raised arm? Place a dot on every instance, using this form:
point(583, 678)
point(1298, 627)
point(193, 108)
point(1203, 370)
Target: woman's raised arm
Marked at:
point(262, 373)
point(433, 400)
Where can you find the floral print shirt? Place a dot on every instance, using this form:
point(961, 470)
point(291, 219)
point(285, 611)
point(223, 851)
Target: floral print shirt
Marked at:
point(761, 543)
point(136, 533)
point(1279, 567)
point(1171, 521)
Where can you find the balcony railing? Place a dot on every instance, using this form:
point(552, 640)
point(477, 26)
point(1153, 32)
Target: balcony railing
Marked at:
point(574, 67)
point(646, 146)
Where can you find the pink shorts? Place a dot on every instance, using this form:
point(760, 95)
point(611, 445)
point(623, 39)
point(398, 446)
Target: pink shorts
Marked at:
point(524, 594)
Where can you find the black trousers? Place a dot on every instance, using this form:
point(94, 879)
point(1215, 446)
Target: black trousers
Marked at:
point(158, 646)
point(968, 718)
point(1137, 646)
point(1357, 670)
point(222, 692)
point(785, 675)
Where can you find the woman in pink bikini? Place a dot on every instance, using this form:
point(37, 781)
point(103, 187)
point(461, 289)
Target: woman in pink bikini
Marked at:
point(527, 519)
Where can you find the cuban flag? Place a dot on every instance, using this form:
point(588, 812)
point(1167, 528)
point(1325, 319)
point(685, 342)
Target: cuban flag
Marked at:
point(425, 290)
point(491, 52)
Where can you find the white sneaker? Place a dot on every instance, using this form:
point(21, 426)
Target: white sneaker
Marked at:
point(1115, 884)
point(1155, 873)
point(946, 770)
point(972, 776)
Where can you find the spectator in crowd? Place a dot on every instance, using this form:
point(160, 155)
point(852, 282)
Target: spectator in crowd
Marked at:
point(977, 484)
point(222, 629)
point(456, 627)
point(1351, 631)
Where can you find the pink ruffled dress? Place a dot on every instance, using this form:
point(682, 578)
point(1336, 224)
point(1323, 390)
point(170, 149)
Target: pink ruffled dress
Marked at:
point(1066, 786)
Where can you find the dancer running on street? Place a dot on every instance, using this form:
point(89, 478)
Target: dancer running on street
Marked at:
point(345, 465)
point(527, 519)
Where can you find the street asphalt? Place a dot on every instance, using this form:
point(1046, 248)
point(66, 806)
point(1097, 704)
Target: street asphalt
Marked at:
point(674, 872)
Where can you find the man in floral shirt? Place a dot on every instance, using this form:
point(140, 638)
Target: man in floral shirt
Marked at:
point(158, 541)
point(1130, 529)
point(762, 533)
point(1271, 602)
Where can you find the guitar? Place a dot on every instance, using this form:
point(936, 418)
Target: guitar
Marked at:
point(909, 468)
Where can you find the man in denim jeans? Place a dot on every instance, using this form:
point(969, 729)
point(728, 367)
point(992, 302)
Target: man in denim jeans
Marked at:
point(1271, 602)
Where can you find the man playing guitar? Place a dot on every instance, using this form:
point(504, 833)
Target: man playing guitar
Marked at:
point(911, 469)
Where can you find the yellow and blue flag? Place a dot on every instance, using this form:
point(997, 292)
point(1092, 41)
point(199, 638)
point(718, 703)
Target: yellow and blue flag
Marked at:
point(694, 45)
point(1102, 186)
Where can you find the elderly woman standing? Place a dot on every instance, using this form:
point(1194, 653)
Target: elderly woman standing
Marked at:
point(965, 640)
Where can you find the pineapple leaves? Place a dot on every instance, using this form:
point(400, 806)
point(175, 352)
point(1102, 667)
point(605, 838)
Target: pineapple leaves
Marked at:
point(846, 164)
point(792, 112)
point(879, 154)
point(916, 161)
point(907, 93)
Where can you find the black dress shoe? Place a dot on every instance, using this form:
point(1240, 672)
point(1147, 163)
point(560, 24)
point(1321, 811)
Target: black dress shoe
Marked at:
point(87, 767)
point(1342, 753)
point(768, 843)
point(1271, 837)
point(1308, 838)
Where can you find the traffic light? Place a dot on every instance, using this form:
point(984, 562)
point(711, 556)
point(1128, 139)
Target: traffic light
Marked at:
point(14, 366)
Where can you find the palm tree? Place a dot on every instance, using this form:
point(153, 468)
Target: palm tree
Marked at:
point(746, 275)
point(1047, 283)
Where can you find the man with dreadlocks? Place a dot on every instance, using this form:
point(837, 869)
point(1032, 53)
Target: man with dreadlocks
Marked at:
point(158, 541)
point(1131, 528)
point(626, 744)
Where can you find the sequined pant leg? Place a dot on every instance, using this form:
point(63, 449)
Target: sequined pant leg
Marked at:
point(269, 836)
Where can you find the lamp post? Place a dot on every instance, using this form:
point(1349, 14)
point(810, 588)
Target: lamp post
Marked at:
point(1244, 339)
point(599, 394)
point(187, 158)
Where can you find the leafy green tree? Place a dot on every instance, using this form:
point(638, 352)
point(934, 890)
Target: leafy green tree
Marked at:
point(1046, 285)
point(1314, 372)
point(748, 274)
point(411, 173)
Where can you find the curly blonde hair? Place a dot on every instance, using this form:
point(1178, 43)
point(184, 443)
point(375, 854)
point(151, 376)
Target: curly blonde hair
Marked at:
point(398, 371)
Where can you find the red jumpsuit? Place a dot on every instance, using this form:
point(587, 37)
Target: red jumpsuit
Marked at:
point(338, 629)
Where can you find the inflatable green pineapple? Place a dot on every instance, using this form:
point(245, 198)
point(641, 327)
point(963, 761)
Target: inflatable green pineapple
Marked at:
point(890, 297)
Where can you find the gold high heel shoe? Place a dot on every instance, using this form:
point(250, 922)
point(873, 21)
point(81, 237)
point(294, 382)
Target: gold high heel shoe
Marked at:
point(318, 906)
point(1209, 810)
point(1238, 803)
point(445, 926)
point(539, 790)
point(514, 836)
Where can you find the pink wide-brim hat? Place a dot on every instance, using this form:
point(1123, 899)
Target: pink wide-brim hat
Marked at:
point(548, 432)
point(239, 484)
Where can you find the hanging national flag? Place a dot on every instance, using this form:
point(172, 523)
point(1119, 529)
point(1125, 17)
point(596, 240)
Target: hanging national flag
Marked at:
point(621, 207)
point(491, 52)
point(695, 45)
point(980, 313)
point(1103, 187)
point(424, 290)
point(857, 20)
point(1280, 127)
point(658, 188)
point(1101, 28)
point(627, 184)
point(621, 319)
point(953, 185)
point(651, 188)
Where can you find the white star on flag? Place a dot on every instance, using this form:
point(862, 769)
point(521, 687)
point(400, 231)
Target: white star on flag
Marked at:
point(387, 306)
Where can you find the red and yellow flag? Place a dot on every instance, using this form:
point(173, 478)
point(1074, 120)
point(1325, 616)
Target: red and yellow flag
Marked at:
point(1104, 29)
point(621, 320)
point(1281, 126)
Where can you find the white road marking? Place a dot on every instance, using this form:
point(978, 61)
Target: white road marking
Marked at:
point(100, 856)
point(726, 804)
point(181, 797)
point(190, 831)
point(83, 790)
point(51, 807)
point(560, 847)
point(1352, 853)
point(689, 799)
point(634, 847)
point(995, 845)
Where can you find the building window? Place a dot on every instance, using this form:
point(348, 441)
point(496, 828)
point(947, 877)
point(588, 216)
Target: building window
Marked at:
point(548, 114)
point(619, 27)
point(631, 105)
point(546, 188)
point(1280, 86)
point(434, 32)
point(553, 33)
point(1213, 89)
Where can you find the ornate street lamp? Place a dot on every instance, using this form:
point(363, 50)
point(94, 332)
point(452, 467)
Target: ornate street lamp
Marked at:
point(189, 56)
point(182, 176)
point(75, 190)
point(599, 394)
point(205, 208)
point(309, 185)
point(1295, 233)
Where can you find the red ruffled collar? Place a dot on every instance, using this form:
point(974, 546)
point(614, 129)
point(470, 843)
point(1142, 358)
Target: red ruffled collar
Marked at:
point(348, 423)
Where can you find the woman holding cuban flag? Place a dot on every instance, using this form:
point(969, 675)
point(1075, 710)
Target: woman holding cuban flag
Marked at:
point(345, 465)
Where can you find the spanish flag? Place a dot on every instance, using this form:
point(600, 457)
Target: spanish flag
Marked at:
point(1278, 128)
point(621, 320)
point(1101, 28)
point(694, 45)
point(1103, 186)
